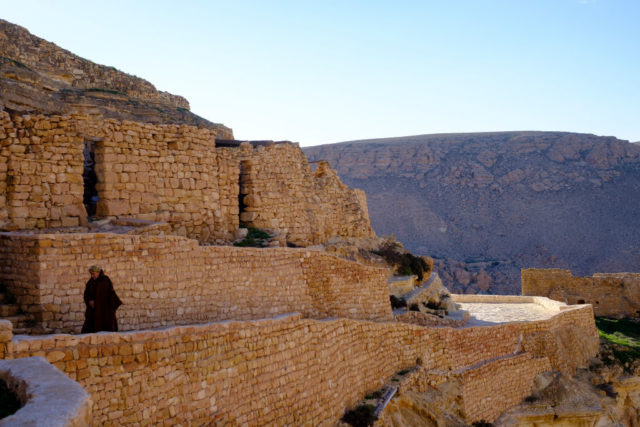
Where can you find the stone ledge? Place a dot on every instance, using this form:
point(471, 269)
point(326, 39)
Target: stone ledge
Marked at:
point(49, 397)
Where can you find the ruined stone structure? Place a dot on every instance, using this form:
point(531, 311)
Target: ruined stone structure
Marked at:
point(610, 294)
point(216, 334)
point(169, 173)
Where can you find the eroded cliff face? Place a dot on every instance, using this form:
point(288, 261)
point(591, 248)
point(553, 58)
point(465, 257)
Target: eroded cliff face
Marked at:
point(485, 205)
point(38, 76)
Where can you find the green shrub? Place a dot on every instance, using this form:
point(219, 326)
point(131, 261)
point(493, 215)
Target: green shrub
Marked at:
point(622, 339)
point(255, 238)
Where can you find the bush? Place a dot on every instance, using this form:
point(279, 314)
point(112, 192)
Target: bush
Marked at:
point(404, 262)
point(255, 238)
point(360, 416)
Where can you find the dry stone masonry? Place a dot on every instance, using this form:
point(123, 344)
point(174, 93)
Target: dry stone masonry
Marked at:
point(168, 173)
point(171, 280)
point(292, 370)
point(610, 294)
point(212, 334)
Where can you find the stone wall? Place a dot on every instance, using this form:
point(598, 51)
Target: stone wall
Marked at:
point(282, 193)
point(163, 173)
point(610, 294)
point(287, 370)
point(48, 397)
point(170, 280)
point(40, 172)
point(168, 173)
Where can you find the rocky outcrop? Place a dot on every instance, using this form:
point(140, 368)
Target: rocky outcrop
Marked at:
point(38, 76)
point(487, 204)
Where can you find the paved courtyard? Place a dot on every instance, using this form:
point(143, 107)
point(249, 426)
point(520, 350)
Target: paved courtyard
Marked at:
point(493, 313)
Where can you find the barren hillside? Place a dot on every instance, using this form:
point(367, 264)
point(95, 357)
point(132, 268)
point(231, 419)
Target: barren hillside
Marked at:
point(501, 201)
point(37, 76)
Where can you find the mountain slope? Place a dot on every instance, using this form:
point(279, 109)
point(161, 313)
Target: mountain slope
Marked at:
point(501, 201)
point(37, 76)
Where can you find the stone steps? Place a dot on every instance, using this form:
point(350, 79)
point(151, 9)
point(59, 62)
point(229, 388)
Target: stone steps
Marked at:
point(22, 323)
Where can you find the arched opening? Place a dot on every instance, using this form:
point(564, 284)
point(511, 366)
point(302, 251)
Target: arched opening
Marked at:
point(580, 301)
point(90, 196)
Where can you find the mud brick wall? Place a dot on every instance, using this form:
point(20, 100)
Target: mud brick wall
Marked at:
point(170, 280)
point(227, 372)
point(282, 193)
point(610, 294)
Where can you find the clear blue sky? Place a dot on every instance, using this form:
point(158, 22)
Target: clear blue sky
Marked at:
point(326, 71)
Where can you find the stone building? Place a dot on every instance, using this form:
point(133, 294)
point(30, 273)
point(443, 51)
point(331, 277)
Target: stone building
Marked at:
point(79, 138)
point(610, 294)
point(214, 334)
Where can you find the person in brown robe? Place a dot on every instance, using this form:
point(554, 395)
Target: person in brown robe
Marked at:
point(102, 303)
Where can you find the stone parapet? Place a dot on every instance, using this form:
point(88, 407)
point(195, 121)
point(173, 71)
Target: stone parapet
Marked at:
point(49, 398)
point(610, 294)
point(227, 372)
point(168, 173)
point(170, 280)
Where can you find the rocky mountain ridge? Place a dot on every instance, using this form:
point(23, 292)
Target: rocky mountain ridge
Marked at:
point(38, 76)
point(492, 203)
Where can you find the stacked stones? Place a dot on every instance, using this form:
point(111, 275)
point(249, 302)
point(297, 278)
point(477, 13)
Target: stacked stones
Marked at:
point(161, 172)
point(170, 280)
point(169, 173)
point(283, 194)
point(227, 372)
point(610, 294)
point(40, 172)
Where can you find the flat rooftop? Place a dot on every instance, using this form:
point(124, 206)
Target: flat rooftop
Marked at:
point(496, 309)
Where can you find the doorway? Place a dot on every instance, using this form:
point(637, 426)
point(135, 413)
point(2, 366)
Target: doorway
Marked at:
point(90, 196)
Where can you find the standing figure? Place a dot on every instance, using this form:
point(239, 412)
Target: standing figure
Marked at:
point(102, 303)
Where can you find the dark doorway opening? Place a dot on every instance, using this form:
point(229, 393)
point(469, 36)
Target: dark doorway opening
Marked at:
point(242, 206)
point(580, 301)
point(90, 197)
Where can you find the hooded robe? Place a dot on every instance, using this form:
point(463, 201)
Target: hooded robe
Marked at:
point(102, 317)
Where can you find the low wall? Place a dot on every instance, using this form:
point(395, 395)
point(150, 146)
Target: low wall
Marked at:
point(286, 370)
point(170, 280)
point(48, 397)
point(610, 294)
